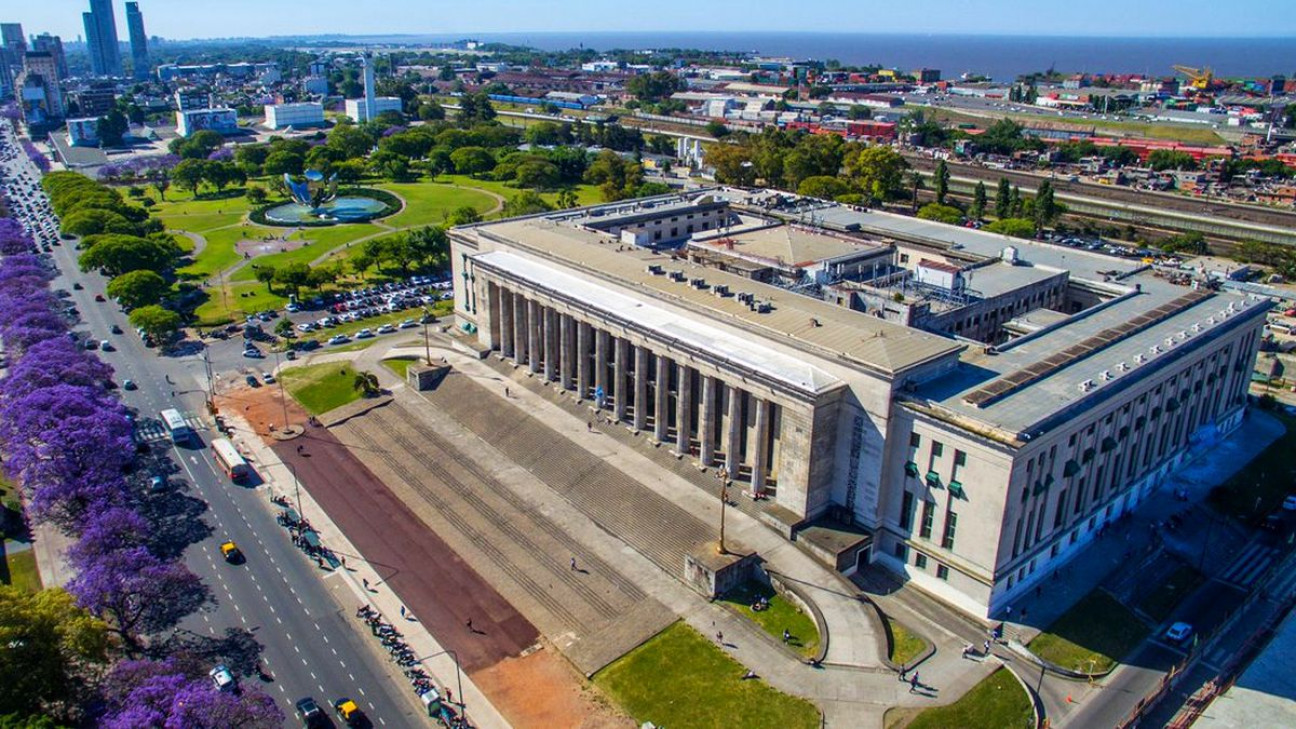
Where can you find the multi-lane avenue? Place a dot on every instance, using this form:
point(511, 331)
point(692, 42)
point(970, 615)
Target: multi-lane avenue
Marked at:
point(301, 616)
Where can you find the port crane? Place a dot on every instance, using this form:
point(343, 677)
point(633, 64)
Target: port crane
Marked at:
point(1198, 78)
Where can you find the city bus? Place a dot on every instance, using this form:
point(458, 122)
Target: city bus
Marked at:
point(228, 459)
point(176, 426)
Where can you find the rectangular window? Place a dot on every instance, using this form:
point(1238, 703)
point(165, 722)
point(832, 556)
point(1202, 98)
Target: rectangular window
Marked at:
point(951, 524)
point(1060, 514)
point(942, 572)
point(906, 511)
point(1017, 538)
point(928, 516)
point(920, 560)
point(915, 440)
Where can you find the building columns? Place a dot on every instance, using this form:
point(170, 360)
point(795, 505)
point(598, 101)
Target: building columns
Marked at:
point(551, 344)
point(760, 451)
point(707, 422)
point(661, 394)
point(684, 409)
point(582, 359)
point(506, 322)
point(565, 350)
point(601, 365)
point(519, 329)
point(641, 388)
point(619, 390)
point(533, 334)
point(735, 423)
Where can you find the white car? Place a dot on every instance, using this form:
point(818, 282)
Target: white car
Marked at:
point(364, 334)
point(222, 678)
point(339, 339)
point(267, 377)
point(306, 327)
point(386, 329)
point(408, 324)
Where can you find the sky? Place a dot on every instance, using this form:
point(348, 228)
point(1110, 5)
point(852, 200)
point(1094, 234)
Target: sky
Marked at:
point(183, 19)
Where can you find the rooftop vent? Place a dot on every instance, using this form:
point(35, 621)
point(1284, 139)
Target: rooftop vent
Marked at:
point(678, 276)
point(1155, 349)
point(1139, 358)
point(1087, 385)
point(1121, 366)
point(698, 283)
point(1105, 375)
point(655, 269)
point(1169, 342)
point(720, 290)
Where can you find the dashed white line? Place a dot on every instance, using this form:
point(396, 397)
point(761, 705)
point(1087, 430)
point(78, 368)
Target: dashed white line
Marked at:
point(361, 690)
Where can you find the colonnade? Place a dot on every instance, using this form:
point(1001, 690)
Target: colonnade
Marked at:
point(704, 416)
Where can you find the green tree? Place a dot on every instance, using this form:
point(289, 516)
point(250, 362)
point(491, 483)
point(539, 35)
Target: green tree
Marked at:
point(189, 174)
point(567, 199)
point(733, 164)
point(822, 187)
point(877, 171)
point(52, 652)
point(284, 162)
point(977, 211)
point(256, 195)
point(350, 141)
point(367, 383)
point(293, 276)
point(940, 181)
point(284, 328)
point(161, 183)
point(156, 322)
point(941, 213)
point(1046, 208)
point(118, 254)
point(653, 87)
point(1003, 198)
point(323, 275)
point(717, 129)
point(1014, 227)
point(112, 128)
point(1170, 159)
point(858, 112)
point(265, 274)
point(137, 288)
point(472, 160)
point(93, 221)
point(527, 202)
point(463, 215)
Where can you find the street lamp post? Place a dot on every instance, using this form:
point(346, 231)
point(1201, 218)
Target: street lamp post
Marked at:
point(723, 473)
point(458, 672)
point(283, 396)
point(427, 343)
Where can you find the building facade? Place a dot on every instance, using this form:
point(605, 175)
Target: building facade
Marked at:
point(39, 93)
point(140, 65)
point(52, 45)
point(972, 469)
point(304, 114)
point(192, 121)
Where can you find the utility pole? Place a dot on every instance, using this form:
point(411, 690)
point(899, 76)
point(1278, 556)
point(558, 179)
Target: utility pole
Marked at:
point(211, 388)
point(427, 343)
point(283, 396)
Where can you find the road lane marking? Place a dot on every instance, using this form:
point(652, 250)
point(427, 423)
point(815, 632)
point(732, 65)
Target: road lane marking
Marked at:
point(351, 676)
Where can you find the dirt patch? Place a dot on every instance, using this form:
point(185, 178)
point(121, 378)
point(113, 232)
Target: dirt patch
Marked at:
point(260, 406)
point(253, 247)
point(542, 689)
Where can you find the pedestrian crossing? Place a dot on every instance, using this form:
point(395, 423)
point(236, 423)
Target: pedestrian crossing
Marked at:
point(1249, 565)
point(151, 430)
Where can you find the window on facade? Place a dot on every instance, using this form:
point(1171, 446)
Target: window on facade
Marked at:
point(951, 524)
point(902, 551)
point(915, 440)
point(920, 560)
point(906, 510)
point(1060, 514)
point(942, 572)
point(928, 516)
point(938, 449)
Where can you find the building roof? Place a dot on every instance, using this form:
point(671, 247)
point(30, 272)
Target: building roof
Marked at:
point(786, 245)
point(830, 331)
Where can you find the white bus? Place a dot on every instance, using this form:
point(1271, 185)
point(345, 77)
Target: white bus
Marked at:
point(176, 426)
point(229, 460)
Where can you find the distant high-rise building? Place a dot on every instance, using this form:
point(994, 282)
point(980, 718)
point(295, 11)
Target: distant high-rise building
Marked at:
point(39, 97)
point(11, 35)
point(12, 48)
point(138, 41)
point(101, 38)
point(52, 45)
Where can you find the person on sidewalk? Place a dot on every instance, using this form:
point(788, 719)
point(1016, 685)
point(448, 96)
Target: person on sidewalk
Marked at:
point(720, 637)
point(913, 682)
point(786, 636)
point(573, 564)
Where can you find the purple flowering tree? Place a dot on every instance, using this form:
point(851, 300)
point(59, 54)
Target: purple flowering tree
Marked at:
point(148, 694)
point(37, 157)
point(135, 592)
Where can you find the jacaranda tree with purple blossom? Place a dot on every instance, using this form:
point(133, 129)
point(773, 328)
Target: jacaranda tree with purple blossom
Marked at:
point(162, 695)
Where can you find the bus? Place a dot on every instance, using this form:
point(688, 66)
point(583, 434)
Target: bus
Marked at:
point(228, 459)
point(176, 426)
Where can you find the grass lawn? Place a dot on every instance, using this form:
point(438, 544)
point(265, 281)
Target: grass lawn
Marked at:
point(399, 365)
point(428, 203)
point(182, 203)
point(322, 387)
point(781, 615)
point(1176, 132)
point(1097, 628)
point(219, 254)
point(1267, 478)
point(1161, 602)
point(906, 645)
point(322, 241)
point(680, 680)
point(200, 222)
point(585, 194)
point(239, 301)
point(19, 570)
point(997, 702)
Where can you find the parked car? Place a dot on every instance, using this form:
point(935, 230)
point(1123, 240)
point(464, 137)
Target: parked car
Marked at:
point(386, 329)
point(267, 377)
point(1179, 632)
point(339, 339)
point(252, 381)
point(222, 678)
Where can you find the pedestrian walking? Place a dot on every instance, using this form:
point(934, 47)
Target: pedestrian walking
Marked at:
point(507, 393)
point(913, 682)
point(786, 635)
point(449, 696)
point(986, 646)
point(402, 611)
point(589, 425)
point(903, 673)
point(365, 582)
point(299, 447)
point(720, 637)
point(469, 624)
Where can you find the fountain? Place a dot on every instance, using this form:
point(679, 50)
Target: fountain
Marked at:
point(315, 201)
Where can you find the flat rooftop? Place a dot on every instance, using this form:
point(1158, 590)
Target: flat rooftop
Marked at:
point(829, 330)
point(998, 279)
point(786, 245)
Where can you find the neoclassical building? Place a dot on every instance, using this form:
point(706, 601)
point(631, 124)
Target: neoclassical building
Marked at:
point(758, 333)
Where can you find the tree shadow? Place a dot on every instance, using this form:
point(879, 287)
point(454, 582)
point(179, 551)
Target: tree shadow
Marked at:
point(238, 649)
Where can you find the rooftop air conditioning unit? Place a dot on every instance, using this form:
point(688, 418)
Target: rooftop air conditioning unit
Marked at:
point(1155, 349)
point(1121, 366)
point(1086, 386)
point(1139, 358)
point(1105, 375)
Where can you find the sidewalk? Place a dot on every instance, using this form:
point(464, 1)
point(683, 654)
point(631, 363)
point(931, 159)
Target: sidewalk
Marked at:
point(278, 480)
point(50, 546)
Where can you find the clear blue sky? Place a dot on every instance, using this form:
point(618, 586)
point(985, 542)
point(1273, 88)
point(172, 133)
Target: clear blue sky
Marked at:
point(217, 18)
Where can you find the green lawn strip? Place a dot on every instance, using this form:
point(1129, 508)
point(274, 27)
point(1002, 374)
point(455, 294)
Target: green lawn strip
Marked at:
point(585, 194)
point(199, 223)
point(220, 254)
point(997, 702)
point(428, 203)
point(20, 570)
point(1162, 601)
point(1175, 132)
point(1093, 635)
point(399, 365)
point(905, 644)
point(183, 204)
point(322, 241)
point(680, 680)
point(781, 615)
point(238, 302)
point(322, 387)
point(1260, 487)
